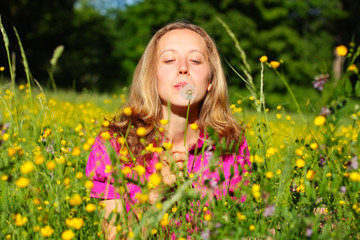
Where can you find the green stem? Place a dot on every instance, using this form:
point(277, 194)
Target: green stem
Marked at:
point(187, 119)
point(291, 93)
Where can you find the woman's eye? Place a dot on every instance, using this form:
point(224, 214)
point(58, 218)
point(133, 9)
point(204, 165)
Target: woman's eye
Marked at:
point(195, 61)
point(169, 61)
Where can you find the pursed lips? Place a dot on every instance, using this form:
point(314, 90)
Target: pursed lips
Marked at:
point(180, 85)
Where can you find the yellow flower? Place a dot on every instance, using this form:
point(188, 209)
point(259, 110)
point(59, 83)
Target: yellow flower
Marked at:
point(310, 175)
point(50, 165)
point(163, 122)
point(79, 175)
point(263, 59)
point(319, 120)
point(269, 175)
point(342, 203)
point(300, 163)
point(118, 228)
point(167, 145)
point(153, 231)
point(20, 220)
point(271, 151)
point(76, 223)
point(313, 146)
point(141, 131)
point(174, 209)
point(124, 151)
point(2, 68)
point(143, 198)
point(275, 64)
point(66, 181)
point(22, 182)
point(108, 168)
point(354, 176)
point(139, 169)
point(158, 166)
point(341, 50)
point(158, 205)
point(11, 152)
point(127, 111)
point(353, 68)
point(105, 123)
point(47, 231)
point(86, 146)
point(76, 151)
point(278, 172)
point(207, 217)
point(75, 200)
point(27, 167)
point(240, 216)
point(105, 135)
point(5, 136)
point(67, 235)
point(299, 152)
point(194, 126)
point(126, 170)
point(255, 190)
point(39, 159)
point(4, 178)
point(252, 228)
point(90, 208)
point(154, 180)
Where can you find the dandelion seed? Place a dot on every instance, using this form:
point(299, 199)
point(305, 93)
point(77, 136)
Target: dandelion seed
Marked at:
point(187, 92)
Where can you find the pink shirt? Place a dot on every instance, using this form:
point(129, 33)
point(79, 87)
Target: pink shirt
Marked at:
point(103, 188)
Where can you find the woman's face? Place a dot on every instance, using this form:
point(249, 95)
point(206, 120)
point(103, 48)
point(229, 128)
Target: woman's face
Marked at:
point(182, 60)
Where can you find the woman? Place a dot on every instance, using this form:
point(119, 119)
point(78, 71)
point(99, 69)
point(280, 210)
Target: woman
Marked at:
point(178, 92)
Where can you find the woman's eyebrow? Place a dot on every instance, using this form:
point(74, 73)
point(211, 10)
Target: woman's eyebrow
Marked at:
point(173, 50)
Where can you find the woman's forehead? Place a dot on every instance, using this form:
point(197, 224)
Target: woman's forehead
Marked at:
point(181, 39)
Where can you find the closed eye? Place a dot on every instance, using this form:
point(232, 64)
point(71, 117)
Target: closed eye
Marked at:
point(195, 61)
point(169, 61)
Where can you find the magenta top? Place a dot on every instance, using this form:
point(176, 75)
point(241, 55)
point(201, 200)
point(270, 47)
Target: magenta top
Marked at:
point(103, 188)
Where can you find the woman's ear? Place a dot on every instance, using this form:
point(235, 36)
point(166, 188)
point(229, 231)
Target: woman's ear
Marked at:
point(209, 87)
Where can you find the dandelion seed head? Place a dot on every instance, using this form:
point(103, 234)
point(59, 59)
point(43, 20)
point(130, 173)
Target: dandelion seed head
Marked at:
point(187, 92)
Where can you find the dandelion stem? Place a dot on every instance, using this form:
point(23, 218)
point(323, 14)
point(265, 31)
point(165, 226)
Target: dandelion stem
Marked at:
point(187, 120)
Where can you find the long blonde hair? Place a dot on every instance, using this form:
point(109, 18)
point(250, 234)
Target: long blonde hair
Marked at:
point(145, 103)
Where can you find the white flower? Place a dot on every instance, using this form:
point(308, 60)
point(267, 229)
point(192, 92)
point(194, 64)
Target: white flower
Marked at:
point(187, 91)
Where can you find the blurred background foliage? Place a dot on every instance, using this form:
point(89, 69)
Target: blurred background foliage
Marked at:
point(104, 39)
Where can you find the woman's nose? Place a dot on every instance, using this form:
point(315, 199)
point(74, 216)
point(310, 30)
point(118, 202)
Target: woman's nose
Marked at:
point(183, 69)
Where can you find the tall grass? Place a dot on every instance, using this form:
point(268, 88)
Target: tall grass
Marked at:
point(304, 180)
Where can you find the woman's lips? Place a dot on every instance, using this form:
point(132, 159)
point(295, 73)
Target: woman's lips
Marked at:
point(180, 85)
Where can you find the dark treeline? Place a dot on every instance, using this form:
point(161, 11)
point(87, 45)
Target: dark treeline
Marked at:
point(102, 48)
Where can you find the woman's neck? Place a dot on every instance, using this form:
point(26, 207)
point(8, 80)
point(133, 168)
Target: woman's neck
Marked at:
point(176, 127)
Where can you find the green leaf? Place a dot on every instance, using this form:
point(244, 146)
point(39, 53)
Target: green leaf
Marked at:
point(357, 88)
point(348, 87)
